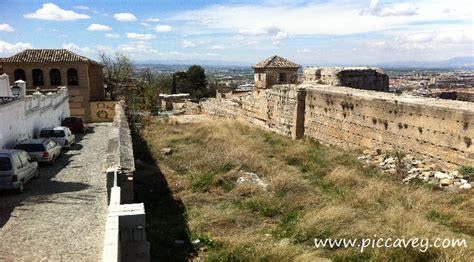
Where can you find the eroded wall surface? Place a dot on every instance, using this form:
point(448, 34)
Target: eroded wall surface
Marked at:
point(438, 130)
point(434, 129)
point(274, 109)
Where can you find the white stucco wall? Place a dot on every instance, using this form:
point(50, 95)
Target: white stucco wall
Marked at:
point(23, 118)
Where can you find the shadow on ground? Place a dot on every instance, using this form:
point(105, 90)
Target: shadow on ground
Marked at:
point(37, 189)
point(167, 229)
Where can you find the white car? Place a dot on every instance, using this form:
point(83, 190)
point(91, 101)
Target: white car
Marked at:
point(16, 168)
point(41, 150)
point(61, 135)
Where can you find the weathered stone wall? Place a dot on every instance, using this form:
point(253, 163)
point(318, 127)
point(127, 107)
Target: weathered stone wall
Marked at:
point(274, 109)
point(266, 78)
point(439, 130)
point(355, 77)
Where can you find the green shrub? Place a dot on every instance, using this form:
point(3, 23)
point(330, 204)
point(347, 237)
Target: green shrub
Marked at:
point(201, 182)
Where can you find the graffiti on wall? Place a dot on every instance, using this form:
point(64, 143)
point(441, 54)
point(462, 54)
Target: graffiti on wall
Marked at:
point(103, 111)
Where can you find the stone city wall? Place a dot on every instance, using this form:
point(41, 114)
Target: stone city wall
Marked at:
point(437, 130)
point(273, 109)
point(356, 77)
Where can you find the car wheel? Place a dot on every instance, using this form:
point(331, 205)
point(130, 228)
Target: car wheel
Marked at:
point(52, 160)
point(21, 188)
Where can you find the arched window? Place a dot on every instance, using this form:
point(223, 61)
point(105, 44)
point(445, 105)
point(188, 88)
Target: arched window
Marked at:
point(38, 79)
point(72, 78)
point(20, 75)
point(55, 77)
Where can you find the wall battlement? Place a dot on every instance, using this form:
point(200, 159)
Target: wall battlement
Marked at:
point(438, 130)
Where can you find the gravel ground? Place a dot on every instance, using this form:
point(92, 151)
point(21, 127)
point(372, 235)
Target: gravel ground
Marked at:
point(61, 215)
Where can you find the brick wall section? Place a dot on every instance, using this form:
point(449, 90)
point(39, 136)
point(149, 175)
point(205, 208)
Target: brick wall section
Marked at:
point(439, 130)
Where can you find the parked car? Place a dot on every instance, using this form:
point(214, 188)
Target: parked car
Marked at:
point(61, 134)
point(16, 168)
point(41, 150)
point(76, 124)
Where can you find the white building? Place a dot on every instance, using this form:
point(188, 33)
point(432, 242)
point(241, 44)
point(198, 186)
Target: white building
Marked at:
point(22, 117)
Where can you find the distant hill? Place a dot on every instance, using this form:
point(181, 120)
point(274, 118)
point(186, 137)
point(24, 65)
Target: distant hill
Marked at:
point(456, 62)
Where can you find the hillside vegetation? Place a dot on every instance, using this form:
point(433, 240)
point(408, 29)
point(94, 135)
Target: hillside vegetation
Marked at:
point(313, 191)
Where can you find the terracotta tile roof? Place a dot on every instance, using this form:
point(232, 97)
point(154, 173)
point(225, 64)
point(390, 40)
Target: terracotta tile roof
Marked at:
point(45, 56)
point(276, 62)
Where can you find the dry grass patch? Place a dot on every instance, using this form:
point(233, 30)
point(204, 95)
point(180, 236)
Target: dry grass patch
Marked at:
point(314, 192)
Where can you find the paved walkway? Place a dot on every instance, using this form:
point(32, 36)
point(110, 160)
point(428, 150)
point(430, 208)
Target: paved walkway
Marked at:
point(61, 216)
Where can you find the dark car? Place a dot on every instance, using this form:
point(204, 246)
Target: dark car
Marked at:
point(76, 124)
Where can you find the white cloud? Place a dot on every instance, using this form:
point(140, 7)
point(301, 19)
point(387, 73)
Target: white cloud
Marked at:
point(217, 47)
point(6, 28)
point(81, 7)
point(305, 50)
point(104, 49)
point(163, 28)
point(125, 17)
point(98, 27)
point(188, 44)
point(112, 35)
point(441, 39)
point(11, 48)
point(138, 48)
point(143, 37)
point(153, 20)
point(396, 9)
point(317, 18)
point(260, 29)
point(81, 50)
point(279, 37)
point(53, 12)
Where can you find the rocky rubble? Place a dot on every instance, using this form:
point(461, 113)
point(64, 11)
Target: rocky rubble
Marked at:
point(251, 178)
point(409, 169)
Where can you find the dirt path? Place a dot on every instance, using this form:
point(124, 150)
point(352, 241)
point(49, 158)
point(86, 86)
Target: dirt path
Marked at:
point(61, 216)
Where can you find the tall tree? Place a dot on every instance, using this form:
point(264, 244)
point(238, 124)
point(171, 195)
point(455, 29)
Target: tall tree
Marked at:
point(118, 71)
point(193, 81)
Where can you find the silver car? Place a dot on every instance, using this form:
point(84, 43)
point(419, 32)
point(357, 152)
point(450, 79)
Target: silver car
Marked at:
point(16, 168)
point(41, 150)
point(61, 134)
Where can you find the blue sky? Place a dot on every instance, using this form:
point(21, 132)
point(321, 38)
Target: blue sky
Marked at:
point(308, 32)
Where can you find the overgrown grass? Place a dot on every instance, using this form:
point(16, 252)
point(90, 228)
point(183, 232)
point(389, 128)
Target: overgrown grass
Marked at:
point(467, 171)
point(313, 191)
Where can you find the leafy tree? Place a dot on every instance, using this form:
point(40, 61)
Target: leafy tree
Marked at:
point(193, 81)
point(118, 71)
point(149, 86)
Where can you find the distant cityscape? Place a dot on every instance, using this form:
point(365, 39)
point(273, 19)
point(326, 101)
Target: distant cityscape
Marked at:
point(445, 83)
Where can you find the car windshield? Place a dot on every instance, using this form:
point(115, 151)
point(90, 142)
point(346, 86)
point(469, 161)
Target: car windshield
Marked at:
point(51, 133)
point(31, 147)
point(5, 164)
